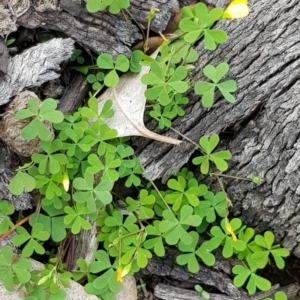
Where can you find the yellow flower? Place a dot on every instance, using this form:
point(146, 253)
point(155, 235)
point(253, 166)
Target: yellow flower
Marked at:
point(230, 231)
point(66, 182)
point(121, 273)
point(236, 9)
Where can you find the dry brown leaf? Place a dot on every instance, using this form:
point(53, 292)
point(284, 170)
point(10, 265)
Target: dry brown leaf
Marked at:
point(129, 106)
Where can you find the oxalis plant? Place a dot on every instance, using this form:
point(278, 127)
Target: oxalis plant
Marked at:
point(76, 171)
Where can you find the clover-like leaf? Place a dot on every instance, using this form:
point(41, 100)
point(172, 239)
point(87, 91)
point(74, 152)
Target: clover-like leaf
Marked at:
point(198, 23)
point(174, 229)
point(46, 111)
point(211, 206)
point(75, 216)
point(13, 271)
point(207, 89)
point(6, 209)
point(162, 87)
point(21, 182)
point(261, 258)
point(183, 194)
point(226, 235)
point(156, 242)
point(107, 279)
point(50, 162)
point(248, 274)
point(38, 234)
point(208, 144)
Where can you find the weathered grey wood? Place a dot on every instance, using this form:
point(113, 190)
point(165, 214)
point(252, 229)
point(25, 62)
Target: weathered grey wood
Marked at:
point(34, 66)
point(140, 10)
point(9, 162)
point(291, 290)
point(166, 292)
point(263, 51)
point(86, 245)
point(74, 94)
point(101, 32)
point(3, 59)
point(208, 276)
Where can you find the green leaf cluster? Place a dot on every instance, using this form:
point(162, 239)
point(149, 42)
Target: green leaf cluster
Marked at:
point(164, 81)
point(76, 172)
point(197, 23)
point(207, 146)
point(247, 274)
point(95, 80)
point(114, 6)
point(221, 236)
point(106, 284)
point(39, 114)
point(33, 240)
point(53, 278)
point(105, 62)
point(191, 252)
point(13, 272)
point(265, 247)
point(207, 89)
point(53, 222)
point(184, 192)
point(6, 209)
point(76, 56)
point(143, 205)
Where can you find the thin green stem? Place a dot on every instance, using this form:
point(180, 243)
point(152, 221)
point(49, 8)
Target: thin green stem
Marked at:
point(132, 233)
point(223, 190)
point(229, 176)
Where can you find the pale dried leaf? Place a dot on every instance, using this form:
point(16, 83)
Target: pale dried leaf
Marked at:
point(129, 106)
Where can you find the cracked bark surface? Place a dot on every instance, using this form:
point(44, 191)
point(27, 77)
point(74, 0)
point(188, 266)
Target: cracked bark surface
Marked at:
point(217, 277)
point(101, 32)
point(166, 292)
point(34, 66)
point(9, 162)
point(263, 52)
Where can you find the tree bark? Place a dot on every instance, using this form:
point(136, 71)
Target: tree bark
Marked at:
point(263, 53)
point(34, 66)
point(9, 163)
point(166, 292)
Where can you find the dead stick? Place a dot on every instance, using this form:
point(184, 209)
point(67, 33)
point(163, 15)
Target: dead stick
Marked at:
point(5, 235)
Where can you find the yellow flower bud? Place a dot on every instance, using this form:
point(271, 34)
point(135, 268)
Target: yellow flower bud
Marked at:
point(66, 182)
point(121, 273)
point(230, 231)
point(236, 9)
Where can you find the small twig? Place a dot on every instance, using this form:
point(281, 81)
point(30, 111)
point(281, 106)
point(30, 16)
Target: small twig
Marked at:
point(230, 176)
point(5, 235)
point(185, 137)
point(143, 288)
point(223, 190)
point(150, 18)
point(137, 23)
point(160, 195)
